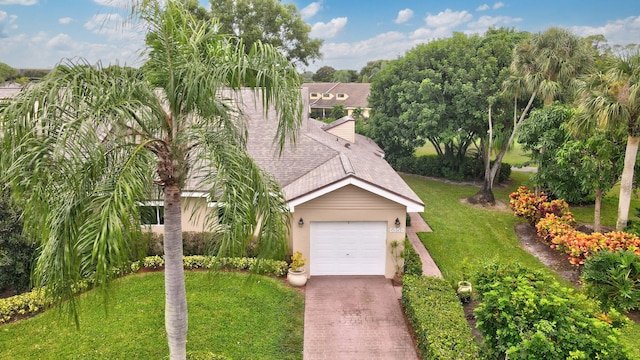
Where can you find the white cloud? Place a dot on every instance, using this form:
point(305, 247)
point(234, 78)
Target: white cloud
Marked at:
point(311, 10)
point(498, 5)
point(18, 2)
point(60, 42)
point(620, 32)
point(328, 30)
point(485, 22)
point(7, 22)
point(447, 19)
point(404, 16)
point(114, 27)
point(483, 7)
point(64, 20)
point(355, 55)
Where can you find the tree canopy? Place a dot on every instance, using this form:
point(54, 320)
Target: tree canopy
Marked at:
point(98, 138)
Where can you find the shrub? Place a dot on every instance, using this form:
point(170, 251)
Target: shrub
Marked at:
point(412, 261)
point(613, 278)
point(552, 226)
point(471, 168)
point(434, 311)
point(533, 207)
point(525, 314)
point(193, 243)
point(579, 246)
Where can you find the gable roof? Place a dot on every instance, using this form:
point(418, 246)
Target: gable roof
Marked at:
point(320, 162)
point(357, 94)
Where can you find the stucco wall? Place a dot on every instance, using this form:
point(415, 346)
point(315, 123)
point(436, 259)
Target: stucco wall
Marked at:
point(345, 131)
point(194, 211)
point(349, 203)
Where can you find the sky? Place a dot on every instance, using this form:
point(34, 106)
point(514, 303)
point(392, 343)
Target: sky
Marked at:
point(40, 33)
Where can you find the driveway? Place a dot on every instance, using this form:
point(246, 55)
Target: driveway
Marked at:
point(354, 317)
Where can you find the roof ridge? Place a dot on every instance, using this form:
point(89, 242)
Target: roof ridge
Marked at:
point(346, 164)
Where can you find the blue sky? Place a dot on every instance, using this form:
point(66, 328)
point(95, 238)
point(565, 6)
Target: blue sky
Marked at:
point(38, 33)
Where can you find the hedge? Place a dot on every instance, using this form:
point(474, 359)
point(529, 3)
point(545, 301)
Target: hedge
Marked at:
point(437, 317)
point(35, 301)
point(412, 261)
point(437, 166)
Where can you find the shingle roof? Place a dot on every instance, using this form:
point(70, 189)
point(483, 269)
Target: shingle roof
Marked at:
point(358, 94)
point(319, 159)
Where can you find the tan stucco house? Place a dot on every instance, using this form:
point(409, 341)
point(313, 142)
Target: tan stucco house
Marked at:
point(323, 97)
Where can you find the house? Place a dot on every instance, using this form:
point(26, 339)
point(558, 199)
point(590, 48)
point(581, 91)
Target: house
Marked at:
point(324, 96)
point(9, 89)
point(347, 204)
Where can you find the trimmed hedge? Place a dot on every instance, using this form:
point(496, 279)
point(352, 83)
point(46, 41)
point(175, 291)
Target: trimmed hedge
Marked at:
point(412, 261)
point(35, 301)
point(438, 319)
point(437, 166)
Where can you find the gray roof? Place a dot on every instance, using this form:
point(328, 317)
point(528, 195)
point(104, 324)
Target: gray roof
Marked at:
point(319, 159)
point(8, 90)
point(358, 94)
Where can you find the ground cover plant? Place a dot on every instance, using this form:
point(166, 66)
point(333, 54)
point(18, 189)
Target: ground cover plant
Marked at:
point(474, 233)
point(232, 314)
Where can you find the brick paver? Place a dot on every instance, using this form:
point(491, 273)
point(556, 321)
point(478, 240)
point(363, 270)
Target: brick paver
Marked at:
point(354, 318)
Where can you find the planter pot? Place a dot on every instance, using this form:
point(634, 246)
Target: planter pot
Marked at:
point(464, 290)
point(297, 278)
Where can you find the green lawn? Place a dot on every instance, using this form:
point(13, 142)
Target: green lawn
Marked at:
point(461, 232)
point(237, 315)
point(515, 156)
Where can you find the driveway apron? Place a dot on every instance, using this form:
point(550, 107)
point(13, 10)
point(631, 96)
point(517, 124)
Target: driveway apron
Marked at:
point(354, 317)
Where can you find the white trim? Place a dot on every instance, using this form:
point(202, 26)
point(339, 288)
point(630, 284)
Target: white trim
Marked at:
point(150, 203)
point(194, 194)
point(412, 206)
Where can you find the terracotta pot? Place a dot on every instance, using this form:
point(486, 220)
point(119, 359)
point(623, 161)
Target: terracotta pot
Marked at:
point(297, 278)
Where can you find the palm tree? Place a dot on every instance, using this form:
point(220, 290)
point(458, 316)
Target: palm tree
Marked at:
point(611, 99)
point(82, 147)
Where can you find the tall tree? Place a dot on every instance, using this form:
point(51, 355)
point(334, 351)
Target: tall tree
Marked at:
point(270, 22)
point(611, 100)
point(7, 72)
point(546, 66)
point(324, 74)
point(82, 147)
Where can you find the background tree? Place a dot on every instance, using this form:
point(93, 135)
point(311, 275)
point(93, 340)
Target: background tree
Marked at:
point(324, 74)
point(611, 100)
point(344, 76)
point(270, 22)
point(7, 73)
point(96, 138)
point(368, 71)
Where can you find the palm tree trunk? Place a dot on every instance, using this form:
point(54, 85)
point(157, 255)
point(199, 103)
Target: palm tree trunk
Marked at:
point(626, 182)
point(596, 210)
point(174, 288)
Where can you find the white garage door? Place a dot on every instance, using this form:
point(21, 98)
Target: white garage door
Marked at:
point(348, 248)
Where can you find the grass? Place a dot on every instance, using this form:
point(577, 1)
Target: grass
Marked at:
point(514, 156)
point(237, 315)
point(466, 235)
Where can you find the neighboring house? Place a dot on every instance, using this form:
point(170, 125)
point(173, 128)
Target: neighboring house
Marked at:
point(324, 96)
point(9, 89)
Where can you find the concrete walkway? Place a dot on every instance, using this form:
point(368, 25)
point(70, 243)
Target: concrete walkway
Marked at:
point(429, 267)
point(354, 318)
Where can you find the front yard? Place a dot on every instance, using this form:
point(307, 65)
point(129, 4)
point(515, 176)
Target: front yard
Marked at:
point(232, 314)
point(464, 235)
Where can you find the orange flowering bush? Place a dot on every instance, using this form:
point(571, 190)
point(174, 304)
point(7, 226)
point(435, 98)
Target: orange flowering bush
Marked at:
point(552, 226)
point(534, 207)
point(579, 246)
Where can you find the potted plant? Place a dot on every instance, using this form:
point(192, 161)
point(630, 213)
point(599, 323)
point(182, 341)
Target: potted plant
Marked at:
point(465, 291)
point(297, 276)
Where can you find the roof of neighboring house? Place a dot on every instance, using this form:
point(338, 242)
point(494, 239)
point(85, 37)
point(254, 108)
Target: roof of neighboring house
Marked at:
point(320, 162)
point(357, 94)
point(8, 90)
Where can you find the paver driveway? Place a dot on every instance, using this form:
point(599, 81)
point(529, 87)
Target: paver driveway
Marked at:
point(354, 317)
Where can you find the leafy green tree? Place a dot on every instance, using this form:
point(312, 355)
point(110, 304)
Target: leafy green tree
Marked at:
point(7, 72)
point(324, 74)
point(369, 71)
point(611, 100)
point(439, 92)
point(337, 111)
point(82, 146)
point(544, 65)
point(344, 76)
point(17, 252)
point(270, 22)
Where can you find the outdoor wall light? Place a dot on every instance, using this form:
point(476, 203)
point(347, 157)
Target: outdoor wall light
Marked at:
point(397, 222)
point(301, 222)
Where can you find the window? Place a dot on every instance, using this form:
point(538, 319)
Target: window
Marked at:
point(314, 95)
point(342, 96)
point(152, 215)
point(326, 96)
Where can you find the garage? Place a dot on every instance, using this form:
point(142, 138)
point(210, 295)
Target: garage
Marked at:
point(348, 248)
